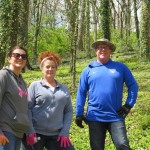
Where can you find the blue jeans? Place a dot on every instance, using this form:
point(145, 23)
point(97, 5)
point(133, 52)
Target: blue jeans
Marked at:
point(49, 142)
point(14, 142)
point(117, 130)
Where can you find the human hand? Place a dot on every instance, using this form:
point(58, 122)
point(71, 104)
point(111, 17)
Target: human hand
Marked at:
point(30, 139)
point(64, 141)
point(79, 120)
point(3, 139)
point(124, 110)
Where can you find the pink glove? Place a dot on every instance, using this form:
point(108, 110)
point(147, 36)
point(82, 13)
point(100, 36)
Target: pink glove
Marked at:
point(31, 139)
point(64, 141)
point(3, 139)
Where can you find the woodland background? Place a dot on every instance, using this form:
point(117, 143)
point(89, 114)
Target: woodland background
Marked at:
point(69, 27)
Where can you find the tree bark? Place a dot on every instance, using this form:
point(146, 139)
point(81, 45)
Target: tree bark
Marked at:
point(73, 27)
point(15, 23)
point(105, 19)
point(39, 5)
point(81, 30)
point(136, 23)
point(95, 20)
point(88, 54)
point(5, 31)
point(145, 31)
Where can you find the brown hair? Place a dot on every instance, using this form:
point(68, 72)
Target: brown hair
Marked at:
point(16, 47)
point(51, 56)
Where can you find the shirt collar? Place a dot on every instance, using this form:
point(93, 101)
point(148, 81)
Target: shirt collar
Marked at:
point(44, 84)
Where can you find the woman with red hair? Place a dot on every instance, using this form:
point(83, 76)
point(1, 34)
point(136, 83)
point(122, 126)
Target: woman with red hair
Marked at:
point(50, 108)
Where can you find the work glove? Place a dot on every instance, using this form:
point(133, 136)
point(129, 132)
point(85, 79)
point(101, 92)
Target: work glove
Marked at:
point(64, 141)
point(31, 139)
point(3, 139)
point(79, 120)
point(124, 110)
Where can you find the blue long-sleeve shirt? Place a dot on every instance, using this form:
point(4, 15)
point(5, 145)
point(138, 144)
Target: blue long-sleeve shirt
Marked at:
point(103, 83)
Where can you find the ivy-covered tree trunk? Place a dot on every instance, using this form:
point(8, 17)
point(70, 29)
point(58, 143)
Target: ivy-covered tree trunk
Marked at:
point(127, 22)
point(2, 58)
point(23, 22)
point(105, 18)
point(136, 22)
point(36, 31)
point(122, 18)
point(145, 31)
point(114, 14)
point(88, 54)
point(121, 25)
point(95, 21)
point(5, 30)
point(72, 15)
point(74, 26)
point(38, 10)
point(23, 27)
point(81, 30)
point(14, 22)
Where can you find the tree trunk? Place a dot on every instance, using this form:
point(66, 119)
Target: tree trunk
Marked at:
point(39, 6)
point(23, 29)
point(81, 32)
point(114, 14)
point(72, 17)
point(127, 22)
point(145, 31)
point(5, 30)
point(88, 50)
point(2, 58)
point(94, 20)
point(24, 20)
point(105, 18)
point(136, 22)
point(15, 23)
point(121, 24)
point(74, 24)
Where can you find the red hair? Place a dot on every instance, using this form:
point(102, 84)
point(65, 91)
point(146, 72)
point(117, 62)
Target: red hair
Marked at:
point(51, 56)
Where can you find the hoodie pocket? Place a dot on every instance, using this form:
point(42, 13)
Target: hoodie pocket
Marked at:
point(21, 122)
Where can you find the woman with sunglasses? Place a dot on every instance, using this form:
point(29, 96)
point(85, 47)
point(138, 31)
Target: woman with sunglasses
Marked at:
point(50, 109)
point(13, 101)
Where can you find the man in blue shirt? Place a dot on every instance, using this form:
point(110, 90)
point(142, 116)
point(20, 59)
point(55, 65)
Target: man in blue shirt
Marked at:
point(103, 81)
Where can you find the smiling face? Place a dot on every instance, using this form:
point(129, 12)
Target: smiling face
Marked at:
point(49, 69)
point(17, 60)
point(103, 53)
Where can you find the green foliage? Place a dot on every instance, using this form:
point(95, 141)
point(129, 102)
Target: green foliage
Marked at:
point(138, 120)
point(51, 39)
point(122, 45)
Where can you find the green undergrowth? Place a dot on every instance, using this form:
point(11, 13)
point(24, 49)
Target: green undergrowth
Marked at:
point(137, 122)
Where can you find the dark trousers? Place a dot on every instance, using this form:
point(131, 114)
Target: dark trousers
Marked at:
point(117, 130)
point(48, 142)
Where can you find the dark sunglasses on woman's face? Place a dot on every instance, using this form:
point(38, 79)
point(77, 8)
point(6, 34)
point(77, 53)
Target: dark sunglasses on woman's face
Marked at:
point(17, 56)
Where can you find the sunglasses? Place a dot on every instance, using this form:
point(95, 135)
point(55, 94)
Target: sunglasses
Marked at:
point(17, 56)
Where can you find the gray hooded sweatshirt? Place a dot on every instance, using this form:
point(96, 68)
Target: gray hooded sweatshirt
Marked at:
point(13, 104)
